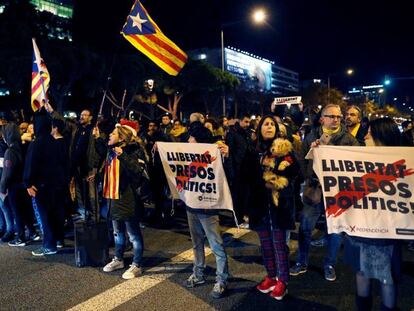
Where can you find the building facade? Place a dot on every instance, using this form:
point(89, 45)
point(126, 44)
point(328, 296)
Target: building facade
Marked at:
point(254, 72)
point(59, 26)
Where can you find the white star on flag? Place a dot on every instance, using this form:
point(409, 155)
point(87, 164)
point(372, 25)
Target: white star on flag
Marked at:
point(137, 21)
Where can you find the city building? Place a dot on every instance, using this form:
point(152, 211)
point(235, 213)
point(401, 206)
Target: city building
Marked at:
point(54, 17)
point(61, 8)
point(364, 93)
point(254, 72)
point(59, 26)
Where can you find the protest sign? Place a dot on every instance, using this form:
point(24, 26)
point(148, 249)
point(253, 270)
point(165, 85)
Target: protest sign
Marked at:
point(368, 191)
point(277, 101)
point(195, 174)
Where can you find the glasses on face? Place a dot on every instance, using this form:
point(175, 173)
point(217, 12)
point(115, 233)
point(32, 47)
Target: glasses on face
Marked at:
point(332, 116)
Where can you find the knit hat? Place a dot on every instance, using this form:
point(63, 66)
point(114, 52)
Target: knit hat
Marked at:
point(201, 134)
point(131, 125)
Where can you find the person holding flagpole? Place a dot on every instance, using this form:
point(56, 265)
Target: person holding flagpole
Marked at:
point(40, 79)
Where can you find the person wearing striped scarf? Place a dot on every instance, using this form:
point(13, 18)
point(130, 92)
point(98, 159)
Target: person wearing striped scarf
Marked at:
point(120, 173)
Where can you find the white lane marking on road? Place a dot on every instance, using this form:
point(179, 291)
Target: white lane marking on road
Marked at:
point(127, 290)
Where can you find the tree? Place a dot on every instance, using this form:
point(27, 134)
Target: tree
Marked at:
point(317, 95)
point(198, 79)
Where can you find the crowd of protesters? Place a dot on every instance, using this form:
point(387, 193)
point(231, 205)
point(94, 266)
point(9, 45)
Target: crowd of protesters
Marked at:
point(55, 171)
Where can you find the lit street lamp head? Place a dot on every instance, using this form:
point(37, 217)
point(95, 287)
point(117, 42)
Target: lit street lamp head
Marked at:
point(259, 16)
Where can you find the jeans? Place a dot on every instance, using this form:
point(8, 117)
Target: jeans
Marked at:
point(309, 217)
point(52, 215)
point(37, 214)
point(23, 215)
point(135, 236)
point(209, 224)
point(7, 214)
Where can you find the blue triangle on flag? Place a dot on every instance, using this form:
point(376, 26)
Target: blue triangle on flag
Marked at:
point(138, 22)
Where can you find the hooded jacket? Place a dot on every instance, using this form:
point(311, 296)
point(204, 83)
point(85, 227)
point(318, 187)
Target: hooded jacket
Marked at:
point(13, 159)
point(42, 165)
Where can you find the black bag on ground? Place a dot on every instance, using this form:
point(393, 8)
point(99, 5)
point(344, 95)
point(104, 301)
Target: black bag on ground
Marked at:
point(91, 244)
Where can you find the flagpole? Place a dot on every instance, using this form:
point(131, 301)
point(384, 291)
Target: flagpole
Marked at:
point(37, 53)
point(108, 80)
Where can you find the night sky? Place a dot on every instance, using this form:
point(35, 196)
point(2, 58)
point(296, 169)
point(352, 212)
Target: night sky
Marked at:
point(311, 37)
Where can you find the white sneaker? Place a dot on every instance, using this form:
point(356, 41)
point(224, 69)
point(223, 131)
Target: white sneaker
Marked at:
point(115, 264)
point(132, 272)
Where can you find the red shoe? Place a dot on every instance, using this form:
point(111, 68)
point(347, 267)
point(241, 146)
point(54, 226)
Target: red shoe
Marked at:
point(267, 285)
point(279, 291)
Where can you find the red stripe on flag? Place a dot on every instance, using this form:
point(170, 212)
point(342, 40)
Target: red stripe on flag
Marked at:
point(167, 47)
point(36, 86)
point(113, 178)
point(36, 104)
point(335, 210)
point(161, 57)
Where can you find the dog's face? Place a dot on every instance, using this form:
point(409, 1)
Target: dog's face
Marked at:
point(270, 177)
point(281, 147)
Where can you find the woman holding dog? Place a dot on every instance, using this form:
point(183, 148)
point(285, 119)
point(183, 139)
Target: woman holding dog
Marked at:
point(271, 210)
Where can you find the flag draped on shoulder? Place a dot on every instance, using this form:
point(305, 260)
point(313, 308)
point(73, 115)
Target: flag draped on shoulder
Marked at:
point(111, 177)
point(40, 79)
point(142, 32)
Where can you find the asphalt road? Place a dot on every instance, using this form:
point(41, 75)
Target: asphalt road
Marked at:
point(55, 283)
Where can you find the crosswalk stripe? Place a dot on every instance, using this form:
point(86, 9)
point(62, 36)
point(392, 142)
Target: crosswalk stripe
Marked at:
point(127, 290)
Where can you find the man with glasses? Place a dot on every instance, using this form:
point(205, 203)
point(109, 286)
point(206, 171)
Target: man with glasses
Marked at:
point(334, 133)
point(353, 124)
point(84, 165)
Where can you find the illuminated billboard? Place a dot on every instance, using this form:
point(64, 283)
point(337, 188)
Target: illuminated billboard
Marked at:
point(253, 72)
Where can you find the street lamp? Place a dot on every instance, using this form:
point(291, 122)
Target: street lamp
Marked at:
point(258, 16)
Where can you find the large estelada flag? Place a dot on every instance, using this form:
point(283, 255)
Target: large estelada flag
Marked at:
point(367, 191)
point(142, 32)
point(40, 79)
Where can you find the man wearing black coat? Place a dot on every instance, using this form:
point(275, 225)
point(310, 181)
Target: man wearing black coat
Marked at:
point(11, 184)
point(43, 175)
point(331, 127)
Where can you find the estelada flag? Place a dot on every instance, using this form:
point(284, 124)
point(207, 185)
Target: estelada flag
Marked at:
point(142, 32)
point(111, 177)
point(40, 79)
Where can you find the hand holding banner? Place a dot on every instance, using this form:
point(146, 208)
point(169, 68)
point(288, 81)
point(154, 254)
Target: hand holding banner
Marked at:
point(195, 175)
point(285, 101)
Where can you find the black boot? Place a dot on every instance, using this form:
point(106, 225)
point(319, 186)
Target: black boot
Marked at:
point(363, 303)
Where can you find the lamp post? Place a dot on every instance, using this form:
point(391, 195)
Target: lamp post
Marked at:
point(349, 72)
point(258, 17)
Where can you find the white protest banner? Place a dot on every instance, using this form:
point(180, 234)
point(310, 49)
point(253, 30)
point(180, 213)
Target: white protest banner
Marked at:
point(285, 101)
point(195, 174)
point(368, 191)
